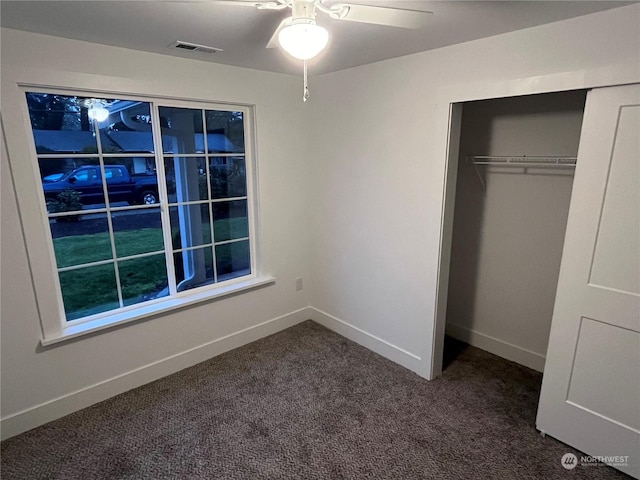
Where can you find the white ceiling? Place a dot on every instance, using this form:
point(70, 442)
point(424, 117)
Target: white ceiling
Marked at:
point(242, 32)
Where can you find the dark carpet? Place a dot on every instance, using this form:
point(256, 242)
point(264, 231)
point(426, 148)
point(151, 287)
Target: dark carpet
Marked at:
point(307, 404)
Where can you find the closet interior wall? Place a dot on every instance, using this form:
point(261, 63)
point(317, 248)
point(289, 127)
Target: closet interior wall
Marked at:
point(508, 234)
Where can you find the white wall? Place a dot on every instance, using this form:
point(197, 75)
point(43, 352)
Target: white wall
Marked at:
point(379, 165)
point(60, 378)
point(508, 238)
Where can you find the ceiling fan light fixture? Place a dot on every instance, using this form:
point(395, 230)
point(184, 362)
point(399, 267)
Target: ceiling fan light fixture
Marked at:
point(303, 40)
point(97, 111)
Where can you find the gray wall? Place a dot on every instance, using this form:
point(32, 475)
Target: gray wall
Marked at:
point(508, 239)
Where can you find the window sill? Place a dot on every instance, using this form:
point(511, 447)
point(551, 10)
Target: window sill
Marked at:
point(93, 326)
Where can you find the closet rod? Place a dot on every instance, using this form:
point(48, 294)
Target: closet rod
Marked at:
point(523, 161)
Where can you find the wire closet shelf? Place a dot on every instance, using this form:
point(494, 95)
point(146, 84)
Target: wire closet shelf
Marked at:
point(522, 161)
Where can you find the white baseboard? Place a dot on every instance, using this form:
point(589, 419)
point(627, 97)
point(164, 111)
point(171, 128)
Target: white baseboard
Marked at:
point(497, 347)
point(53, 409)
point(367, 340)
point(35, 416)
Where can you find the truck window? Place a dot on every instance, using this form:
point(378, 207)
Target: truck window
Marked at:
point(113, 173)
point(86, 175)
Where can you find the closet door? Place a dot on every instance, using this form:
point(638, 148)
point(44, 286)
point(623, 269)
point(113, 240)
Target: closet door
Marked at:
point(590, 395)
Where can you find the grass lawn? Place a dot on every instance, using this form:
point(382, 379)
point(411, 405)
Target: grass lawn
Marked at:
point(92, 290)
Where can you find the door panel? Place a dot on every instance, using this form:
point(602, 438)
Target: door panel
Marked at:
point(617, 252)
point(598, 371)
point(590, 395)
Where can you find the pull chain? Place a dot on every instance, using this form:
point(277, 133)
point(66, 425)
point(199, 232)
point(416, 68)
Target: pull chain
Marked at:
point(305, 95)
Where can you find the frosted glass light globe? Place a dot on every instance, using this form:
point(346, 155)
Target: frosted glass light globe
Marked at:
point(303, 40)
point(98, 113)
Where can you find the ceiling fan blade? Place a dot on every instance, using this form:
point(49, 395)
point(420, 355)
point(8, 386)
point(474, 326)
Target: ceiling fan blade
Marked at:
point(273, 41)
point(236, 3)
point(394, 17)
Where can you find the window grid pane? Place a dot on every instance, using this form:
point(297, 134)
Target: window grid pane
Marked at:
point(187, 236)
point(76, 244)
point(88, 291)
point(94, 222)
point(130, 237)
point(143, 278)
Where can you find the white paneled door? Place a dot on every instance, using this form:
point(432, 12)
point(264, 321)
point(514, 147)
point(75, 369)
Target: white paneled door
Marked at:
point(590, 395)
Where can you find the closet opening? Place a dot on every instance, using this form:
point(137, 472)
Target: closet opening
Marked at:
point(509, 187)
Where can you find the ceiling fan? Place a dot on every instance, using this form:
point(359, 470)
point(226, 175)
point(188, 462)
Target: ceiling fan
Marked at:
point(300, 35)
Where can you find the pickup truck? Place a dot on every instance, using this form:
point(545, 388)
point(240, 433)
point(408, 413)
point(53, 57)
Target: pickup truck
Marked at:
point(87, 180)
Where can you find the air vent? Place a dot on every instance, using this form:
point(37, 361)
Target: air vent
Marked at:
point(186, 47)
point(194, 47)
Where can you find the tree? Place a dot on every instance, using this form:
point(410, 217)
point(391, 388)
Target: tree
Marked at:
point(57, 112)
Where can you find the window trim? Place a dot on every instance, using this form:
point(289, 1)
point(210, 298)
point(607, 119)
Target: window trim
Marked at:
point(40, 251)
point(154, 308)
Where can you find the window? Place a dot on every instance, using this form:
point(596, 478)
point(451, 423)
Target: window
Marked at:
point(151, 204)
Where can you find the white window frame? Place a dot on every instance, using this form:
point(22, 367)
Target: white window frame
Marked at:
point(40, 248)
